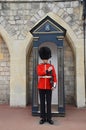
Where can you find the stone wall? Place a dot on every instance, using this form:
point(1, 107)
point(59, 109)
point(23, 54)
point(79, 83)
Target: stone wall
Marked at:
point(4, 72)
point(18, 18)
point(69, 74)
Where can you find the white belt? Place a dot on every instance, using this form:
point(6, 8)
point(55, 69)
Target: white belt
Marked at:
point(45, 76)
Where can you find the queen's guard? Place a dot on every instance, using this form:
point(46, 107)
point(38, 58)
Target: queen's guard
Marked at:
point(46, 83)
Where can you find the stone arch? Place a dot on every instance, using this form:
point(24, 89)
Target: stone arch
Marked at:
point(6, 38)
point(61, 12)
point(78, 49)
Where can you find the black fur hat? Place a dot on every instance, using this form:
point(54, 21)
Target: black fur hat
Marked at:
point(45, 53)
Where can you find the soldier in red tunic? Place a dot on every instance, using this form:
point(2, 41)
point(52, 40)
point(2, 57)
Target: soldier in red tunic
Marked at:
point(46, 83)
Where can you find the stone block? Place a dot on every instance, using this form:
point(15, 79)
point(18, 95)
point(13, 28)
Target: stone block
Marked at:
point(70, 10)
point(75, 3)
point(1, 56)
point(60, 4)
point(41, 13)
point(67, 4)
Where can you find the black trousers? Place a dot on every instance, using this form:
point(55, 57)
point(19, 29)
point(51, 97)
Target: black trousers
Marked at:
point(45, 103)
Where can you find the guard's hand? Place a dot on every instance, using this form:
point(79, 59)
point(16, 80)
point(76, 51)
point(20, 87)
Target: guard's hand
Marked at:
point(54, 85)
point(50, 68)
point(53, 88)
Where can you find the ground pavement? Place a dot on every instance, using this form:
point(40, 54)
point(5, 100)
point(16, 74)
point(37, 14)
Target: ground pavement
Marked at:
point(21, 119)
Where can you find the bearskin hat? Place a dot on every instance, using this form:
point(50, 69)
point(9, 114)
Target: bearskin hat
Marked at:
point(45, 53)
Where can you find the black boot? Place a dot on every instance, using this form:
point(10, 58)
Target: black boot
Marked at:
point(50, 121)
point(42, 121)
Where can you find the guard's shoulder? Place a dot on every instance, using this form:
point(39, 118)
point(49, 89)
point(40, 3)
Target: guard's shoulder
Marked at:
point(52, 65)
point(40, 64)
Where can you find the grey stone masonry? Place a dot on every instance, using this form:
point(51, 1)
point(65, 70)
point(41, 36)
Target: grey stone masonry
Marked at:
point(69, 74)
point(4, 72)
point(18, 17)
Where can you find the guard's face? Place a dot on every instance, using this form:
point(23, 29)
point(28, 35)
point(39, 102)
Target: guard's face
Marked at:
point(45, 61)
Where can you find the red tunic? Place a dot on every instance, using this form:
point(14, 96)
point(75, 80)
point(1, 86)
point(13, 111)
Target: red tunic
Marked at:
point(43, 78)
